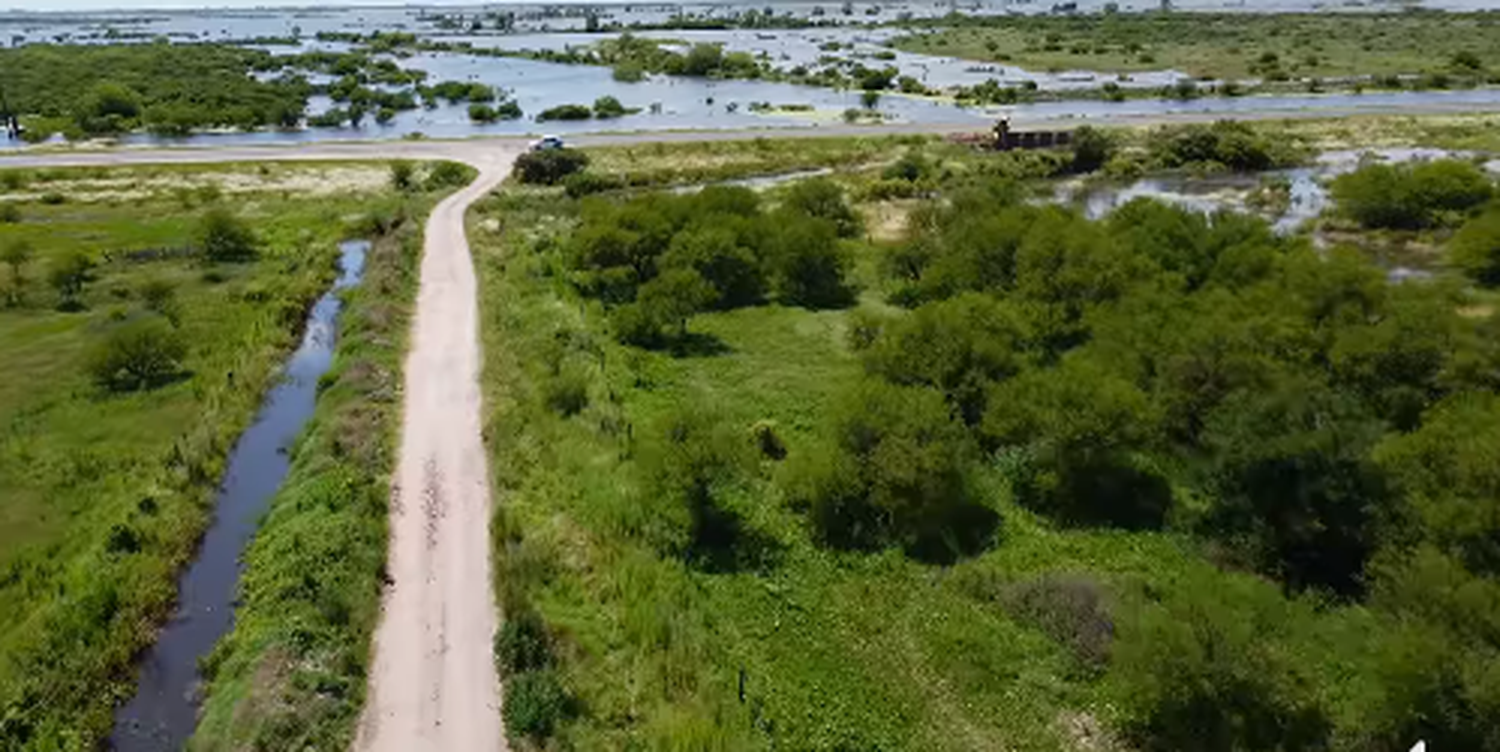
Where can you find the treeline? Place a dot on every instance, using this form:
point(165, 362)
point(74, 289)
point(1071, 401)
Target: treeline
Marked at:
point(168, 88)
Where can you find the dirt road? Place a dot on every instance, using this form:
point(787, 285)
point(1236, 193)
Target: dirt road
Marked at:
point(433, 684)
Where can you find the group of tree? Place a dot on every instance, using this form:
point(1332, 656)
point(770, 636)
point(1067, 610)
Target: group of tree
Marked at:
point(171, 89)
point(656, 260)
point(1160, 368)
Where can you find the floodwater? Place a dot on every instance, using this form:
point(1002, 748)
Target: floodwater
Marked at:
point(1307, 190)
point(164, 711)
point(674, 103)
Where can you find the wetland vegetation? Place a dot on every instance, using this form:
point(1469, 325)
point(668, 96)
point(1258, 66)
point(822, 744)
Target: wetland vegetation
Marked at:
point(1160, 480)
point(146, 312)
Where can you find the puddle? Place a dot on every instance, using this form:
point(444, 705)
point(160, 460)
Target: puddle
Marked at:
point(164, 711)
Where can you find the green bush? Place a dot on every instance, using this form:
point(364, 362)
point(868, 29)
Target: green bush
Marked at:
point(581, 184)
point(821, 198)
point(609, 107)
point(483, 113)
point(10, 213)
point(523, 645)
point(138, 354)
point(1205, 669)
point(895, 474)
point(443, 175)
point(567, 393)
point(549, 166)
point(565, 112)
point(1092, 148)
point(69, 274)
point(1411, 197)
point(535, 703)
point(1475, 249)
point(223, 237)
point(403, 176)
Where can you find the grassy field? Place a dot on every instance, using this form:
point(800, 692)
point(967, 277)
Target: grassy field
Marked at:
point(1038, 642)
point(1232, 46)
point(103, 493)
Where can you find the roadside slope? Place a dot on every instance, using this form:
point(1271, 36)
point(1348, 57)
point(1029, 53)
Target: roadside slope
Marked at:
point(433, 683)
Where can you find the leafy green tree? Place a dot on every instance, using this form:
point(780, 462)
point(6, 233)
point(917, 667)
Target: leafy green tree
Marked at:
point(1078, 433)
point(1092, 147)
point(138, 354)
point(607, 107)
point(808, 266)
point(1409, 197)
point(714, 251)
point(1446, 472)
point(959, 346)
point(895, 475)
point(703, 59)
point(1475, 249)
point(1208, 668)
point(1293, 478)
point(108, 108)
point(223, 237)
point(663, 307)
point(482, 113)
point(550, 166)
point(403, 176)
point(821, 198)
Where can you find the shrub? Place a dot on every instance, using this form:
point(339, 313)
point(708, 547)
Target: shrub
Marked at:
point(629, 72)
point(1202, 670)
point(1070, 609)
point(10, 213)
point(581, 184)
point(138, 354)
point(69, 274)
point(522, 644)
point(550, 166)
point(510, 109)
point(159, 296)
point(534, 704)
point(808, 266)
point(443, 175)
point(609, 107)
point(1410, 197)
point(223, 237)
point(483, 113)
point(403, 176)
point(53, 198)
point(566, 112)
point(821, 198)
point(1475, 249)
point(567, 393)
point(1092, 147)
point(894, 475)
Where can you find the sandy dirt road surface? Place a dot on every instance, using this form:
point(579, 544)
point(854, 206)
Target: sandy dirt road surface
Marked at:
point(433, 684)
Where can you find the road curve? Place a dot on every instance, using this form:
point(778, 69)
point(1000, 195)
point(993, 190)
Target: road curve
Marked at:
point(433, 684)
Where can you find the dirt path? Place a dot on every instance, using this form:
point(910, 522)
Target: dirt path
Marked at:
point(433, 684)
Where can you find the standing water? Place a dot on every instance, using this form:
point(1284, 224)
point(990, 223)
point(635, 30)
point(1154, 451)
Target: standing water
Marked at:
point(163, 713)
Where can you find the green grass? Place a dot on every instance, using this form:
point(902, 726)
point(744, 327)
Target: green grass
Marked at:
point(835, 650)
point(77, 463)
point(1224, 46)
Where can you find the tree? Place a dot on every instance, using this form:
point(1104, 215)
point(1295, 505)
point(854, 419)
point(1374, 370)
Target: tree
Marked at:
point(1294, 480)
point(607, 107)
point(894, 474)
point(808, 266)
point(1079, 432)
point(959, 346)
point(483, 113)
point(17, 255)
point(1407, 197)
point(550, 166)
point(869, 99)
point(1207, 668)
point(138, 354)
point(713, 250)
point(1092, 147)
point(703, 59)
point(1475, 249)
point(821, 198)
point(69, 274)
point(663, 307)
point(108, 108)
point(223, 237)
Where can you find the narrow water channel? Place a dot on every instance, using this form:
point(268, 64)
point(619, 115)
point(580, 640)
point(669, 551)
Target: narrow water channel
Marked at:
point(163, 712)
